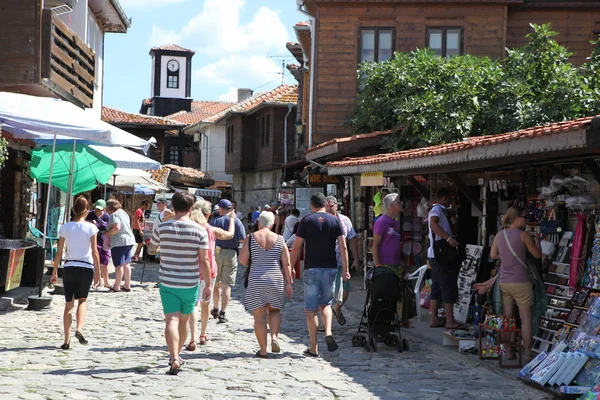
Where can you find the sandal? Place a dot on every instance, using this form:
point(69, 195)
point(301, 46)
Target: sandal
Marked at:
point(65, 346)
point(339, 316)
point(204, 339)
point(260, 355)
point(126, 290)
point(80, 337)
point(174, 370)
point(275, 346)
point(309, 353)
point(191, 346)
point(331, 344)
point(181, 362)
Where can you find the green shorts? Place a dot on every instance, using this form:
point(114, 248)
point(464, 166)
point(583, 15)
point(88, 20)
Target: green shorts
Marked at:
point(177, 300)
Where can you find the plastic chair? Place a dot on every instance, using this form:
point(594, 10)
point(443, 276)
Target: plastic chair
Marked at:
point(418, 276)
point(36, 233)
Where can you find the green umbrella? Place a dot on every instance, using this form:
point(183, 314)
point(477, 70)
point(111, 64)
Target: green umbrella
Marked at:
point(90, 167)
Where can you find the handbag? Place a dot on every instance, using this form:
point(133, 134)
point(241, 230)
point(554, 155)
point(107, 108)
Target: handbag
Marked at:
point(448, 256)
point(247, 272)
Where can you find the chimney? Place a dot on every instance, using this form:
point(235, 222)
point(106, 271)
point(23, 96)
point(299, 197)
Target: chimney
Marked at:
point(244, 94)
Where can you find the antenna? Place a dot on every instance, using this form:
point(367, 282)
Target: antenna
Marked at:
point(283, 62)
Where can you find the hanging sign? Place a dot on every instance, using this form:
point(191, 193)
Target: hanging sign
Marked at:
point(15, 269)
point(316, 179)
point(371, 179)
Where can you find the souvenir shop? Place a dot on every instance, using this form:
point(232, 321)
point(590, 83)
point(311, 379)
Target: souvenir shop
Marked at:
point(552, 174)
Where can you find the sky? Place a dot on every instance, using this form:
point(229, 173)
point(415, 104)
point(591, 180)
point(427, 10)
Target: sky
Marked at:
point(238, 44)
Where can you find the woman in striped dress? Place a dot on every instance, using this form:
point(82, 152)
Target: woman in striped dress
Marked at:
point(269, 280)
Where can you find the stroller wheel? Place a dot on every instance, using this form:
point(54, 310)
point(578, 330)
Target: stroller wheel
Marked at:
point(356, 341)
point(373, 343)
point(390, 340)
point(366, 344)
point(405, 346)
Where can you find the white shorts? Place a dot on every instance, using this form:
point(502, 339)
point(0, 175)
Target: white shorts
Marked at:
point(201, 289)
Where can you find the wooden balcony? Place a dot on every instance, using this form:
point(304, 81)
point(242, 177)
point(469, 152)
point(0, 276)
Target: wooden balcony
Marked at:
point(67, 63)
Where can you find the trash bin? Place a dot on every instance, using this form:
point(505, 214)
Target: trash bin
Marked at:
point(12, 256)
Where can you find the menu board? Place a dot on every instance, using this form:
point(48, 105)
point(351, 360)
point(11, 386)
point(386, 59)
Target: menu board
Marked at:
point(303, 199)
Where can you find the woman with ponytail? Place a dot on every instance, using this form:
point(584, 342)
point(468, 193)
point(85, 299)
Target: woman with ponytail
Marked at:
point(81, 258)
point(510, 247)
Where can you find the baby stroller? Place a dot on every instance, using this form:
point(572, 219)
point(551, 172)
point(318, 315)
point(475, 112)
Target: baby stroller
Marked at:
point(380, 320)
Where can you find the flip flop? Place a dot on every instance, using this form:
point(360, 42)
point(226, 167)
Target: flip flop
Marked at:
point(126, 290)
point(340, 317)
point(275, 346)
point(260, 355)
point(81, 338)
point(331, 344)
point(309, 353)
point(438, 325)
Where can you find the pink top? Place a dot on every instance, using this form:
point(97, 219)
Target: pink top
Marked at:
point(212, 238)
point(512, 271)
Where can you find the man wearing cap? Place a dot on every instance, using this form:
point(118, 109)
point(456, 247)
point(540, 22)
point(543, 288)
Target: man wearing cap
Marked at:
point(226, 252)
point(164, 214)
point(100, 218)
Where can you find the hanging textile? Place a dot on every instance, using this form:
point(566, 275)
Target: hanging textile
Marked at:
point(577, 249)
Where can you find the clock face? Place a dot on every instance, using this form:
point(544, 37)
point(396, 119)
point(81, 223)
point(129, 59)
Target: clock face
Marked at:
point(173, 65)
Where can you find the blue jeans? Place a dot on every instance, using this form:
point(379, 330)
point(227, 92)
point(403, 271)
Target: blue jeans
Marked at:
point(318, 288)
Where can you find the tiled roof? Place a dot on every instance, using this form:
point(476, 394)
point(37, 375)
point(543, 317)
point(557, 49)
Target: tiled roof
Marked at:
point(349, 139)
point(186, 171)
point(172, 47)
point(114, 116)
point(303, 23)
point(282, 94)
point(292, 67)
point(161, 175)
point(11, 139)
point(201, 110)
point(470, 143)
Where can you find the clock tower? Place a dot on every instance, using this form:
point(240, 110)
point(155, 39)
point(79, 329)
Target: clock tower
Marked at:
point(171, 80)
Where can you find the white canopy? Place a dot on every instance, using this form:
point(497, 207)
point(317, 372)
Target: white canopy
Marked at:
point(129, 177)
point(128, 159)
point(41, 118)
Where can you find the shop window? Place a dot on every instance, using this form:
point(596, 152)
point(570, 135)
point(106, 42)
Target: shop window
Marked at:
point(174, 155)
point(376, 44)
point(445, 41)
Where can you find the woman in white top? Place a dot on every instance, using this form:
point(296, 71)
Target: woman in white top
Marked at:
point(289, 223)
point(78, 271)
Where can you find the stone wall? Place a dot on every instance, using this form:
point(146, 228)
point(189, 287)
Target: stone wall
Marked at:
point(255, 189)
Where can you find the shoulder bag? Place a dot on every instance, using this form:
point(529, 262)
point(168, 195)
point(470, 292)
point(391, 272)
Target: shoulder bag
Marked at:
point(247, 273)
point(446, 255)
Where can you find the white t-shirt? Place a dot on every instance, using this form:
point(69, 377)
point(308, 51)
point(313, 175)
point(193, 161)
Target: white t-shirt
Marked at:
point(437, 211)
point(288, 226)
point(158, 220)
point(77, 239)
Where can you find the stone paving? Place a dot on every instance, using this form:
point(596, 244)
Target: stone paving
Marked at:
point(127, 357)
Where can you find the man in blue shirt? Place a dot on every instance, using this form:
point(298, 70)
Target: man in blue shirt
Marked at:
point(318, 233)
point(255, 216)
point(226, 252)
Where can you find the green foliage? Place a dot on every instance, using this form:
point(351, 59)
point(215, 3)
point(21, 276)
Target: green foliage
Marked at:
point(3, 151)
point(432, 100)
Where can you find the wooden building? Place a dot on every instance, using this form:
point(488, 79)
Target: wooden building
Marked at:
point(258, 132)
point(346, 33)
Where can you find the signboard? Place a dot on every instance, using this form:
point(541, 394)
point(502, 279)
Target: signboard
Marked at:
point(371, 179)
point(322, 179)
point(15, 269)
point(466, 278)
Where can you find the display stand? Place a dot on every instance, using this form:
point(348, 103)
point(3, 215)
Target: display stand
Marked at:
point(499, 339)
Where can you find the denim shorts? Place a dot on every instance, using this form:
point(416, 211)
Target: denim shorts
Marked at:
point(319, 285)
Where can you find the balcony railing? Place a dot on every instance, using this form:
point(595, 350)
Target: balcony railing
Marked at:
point(68, 64)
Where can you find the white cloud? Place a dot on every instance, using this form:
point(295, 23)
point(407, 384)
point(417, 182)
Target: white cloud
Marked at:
point(147, 3)
point(229, 95)
point(230, 52)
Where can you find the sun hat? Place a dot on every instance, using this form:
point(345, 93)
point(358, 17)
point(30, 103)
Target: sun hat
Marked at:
point(100, 204)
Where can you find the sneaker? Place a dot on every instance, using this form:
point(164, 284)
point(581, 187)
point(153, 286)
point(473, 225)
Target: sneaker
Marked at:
point(215, 313)
point(222, 318)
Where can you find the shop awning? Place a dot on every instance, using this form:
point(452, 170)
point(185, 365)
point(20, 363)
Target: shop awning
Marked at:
point(208, 193)
point(125, 158)
point(578, 138)
point(41, 118)
point(129, 177)
point(345, 146)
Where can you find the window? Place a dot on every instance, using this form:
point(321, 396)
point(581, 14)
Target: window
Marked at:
point(173, 82)
point(376, 44)
point(174, 155)
point(267, 130)
point(445, 41)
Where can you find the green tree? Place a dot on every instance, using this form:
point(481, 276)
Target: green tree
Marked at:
point(431, 100)
point(3, 151)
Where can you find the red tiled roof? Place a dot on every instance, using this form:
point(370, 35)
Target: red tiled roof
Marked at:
point(172, 47)
point(114, 116)
point(470, 143)
point(292, 67)
point(201, 110)
point(303, 23)
point(186, 171)
point(11, 139)
point(349, 139)
point(282, 94)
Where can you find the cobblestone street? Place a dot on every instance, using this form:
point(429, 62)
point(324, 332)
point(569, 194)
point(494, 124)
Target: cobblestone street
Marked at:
point(127, 357)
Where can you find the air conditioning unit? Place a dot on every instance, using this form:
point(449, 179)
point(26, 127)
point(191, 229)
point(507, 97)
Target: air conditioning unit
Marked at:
point(60, 7)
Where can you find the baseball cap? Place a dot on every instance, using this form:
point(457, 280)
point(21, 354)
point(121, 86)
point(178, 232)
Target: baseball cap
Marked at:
point(267, 207)
point(100, 204)
point(224, 203)
point(162, 200)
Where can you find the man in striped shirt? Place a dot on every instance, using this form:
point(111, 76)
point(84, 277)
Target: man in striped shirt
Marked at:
point(183, 253)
